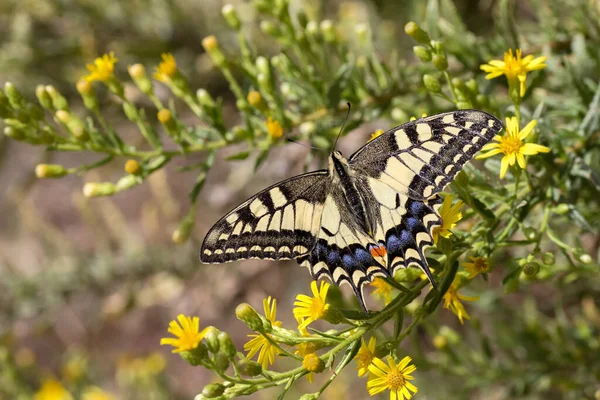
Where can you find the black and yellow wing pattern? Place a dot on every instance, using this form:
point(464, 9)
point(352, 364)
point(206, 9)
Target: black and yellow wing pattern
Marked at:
point(364, 216)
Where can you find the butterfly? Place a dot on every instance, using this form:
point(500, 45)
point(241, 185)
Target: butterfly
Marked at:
point(364, 216)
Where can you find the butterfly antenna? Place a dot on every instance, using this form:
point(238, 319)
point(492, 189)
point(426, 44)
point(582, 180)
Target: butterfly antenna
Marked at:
point(343, 125)
point(302, 144)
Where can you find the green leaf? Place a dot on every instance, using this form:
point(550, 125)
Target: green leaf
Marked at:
point(334, 91)
point(238, 156)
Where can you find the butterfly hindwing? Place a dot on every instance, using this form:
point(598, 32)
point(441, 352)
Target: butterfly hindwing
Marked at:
point(278, 223)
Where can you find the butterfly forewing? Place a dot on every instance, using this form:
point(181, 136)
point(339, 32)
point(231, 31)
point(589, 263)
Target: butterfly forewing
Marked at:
point(278, 223)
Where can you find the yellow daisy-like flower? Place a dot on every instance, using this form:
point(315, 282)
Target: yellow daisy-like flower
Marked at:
point(452, 302)
point(187, 332)
point(52, 390)
point(450, 216)
point(102, 69)
point(365, 355)
point(308, 309)
point(166, 69)
point(274, 128)
point(512, 146)
point(95, 393)
point(514, 67)
point(383, 290)
point(477, 266)
point(260, 344)
point(392, 376)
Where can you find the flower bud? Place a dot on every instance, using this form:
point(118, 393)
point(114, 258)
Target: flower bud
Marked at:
point(95, 189)
point(334, 316)
point(211, 45)
point(14, 96)
point(399, 115)
point(248, 315)
point(432, 84)
point(307, 128)
point(231, 16)
point(249, 367)
point(74, 125)
point(582, 256)
point(43, 97)
point(14, 133)
point(226, 345)
point(463, 105)
point(312, 29)
point(88, 94)
point(182, 233)
point(407, 275)
point(34, 111)
point(255, 99)
point(212, 340)
point(440, 342)
point(320, 142)
point(482, 100)
point(362, 32)
point(141, 79)
point(413, 30)
point(531, 268)
point(548, 258)
point(309, 396)
point(561, 209)
point(132, 167)
point(50, 171)
point(58, 100)
point(130, 111)
point(221, 362)
point(213, 390)
point(328, 30)
point(313, 363)
point(204, 98)
point(440, 62)
point(530, 233)
point(270, 29)
point(473, 86)
point(196, 356)
point(423, 53)
point(127, 182)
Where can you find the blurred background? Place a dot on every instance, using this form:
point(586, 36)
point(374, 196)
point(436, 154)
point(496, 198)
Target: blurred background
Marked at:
point(88, 287)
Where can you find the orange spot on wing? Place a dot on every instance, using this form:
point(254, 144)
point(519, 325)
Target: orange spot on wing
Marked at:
point(378, 251)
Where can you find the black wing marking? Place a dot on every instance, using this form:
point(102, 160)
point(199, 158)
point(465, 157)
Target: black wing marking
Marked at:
point(421, 157)
point(279, 223)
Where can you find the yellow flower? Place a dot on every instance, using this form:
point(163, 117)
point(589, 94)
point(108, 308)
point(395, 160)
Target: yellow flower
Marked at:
point(514, 67)
point(95, 393)
point(365, 355)
point(313, 364)
point(394, 377)
point(308, 309)
point(52, 390)
point(450, 216)
point(166, 69)
point(274, 128)
point(187, 332)
point(382, 289)
point(477, 266)
point(260, 344)
point(376, 134)
point(512, 146)
point(452, 302)
point(102, 69)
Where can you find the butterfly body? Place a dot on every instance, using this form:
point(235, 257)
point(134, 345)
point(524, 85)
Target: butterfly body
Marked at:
point(365, 216)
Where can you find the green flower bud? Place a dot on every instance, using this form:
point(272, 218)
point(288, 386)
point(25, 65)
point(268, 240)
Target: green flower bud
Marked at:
point(432, 84)
point(212, 340)
point(239, 132)
point(307, 128)
point(249, 367)
point(213, 390)
point(548, 258)
point(139, 76)
point(312, 29)
point(334, 316)
point(221, 362)
point(531, 268)
point(231, 16)
point(407, 275)
point(530, 233)
point(463, 105)
point(413, 30)
point(74, 125)
point(440, 62)
point(423, 53)
point(127, 182)
point(399, 115)
point(362, 32)
point(50, 171)
point(95, 189)
point(328, 30)
point(196, 356)
point(438, 46)
point(561, 209)
point(482, 100)
point(34, 112)
point(242, 105)
point(43, 97)
point(270, 29)
point(582, 256)
point(204, 98)
point(248, 315)
point(130, 111)
point(309, 396)
point(182, 233)
point(473, 86)
point(14, 96)
point(226, 345)
point(58, 100)
point(211, 45)
point(14, 133)
point(320, 142)
point(313, 363)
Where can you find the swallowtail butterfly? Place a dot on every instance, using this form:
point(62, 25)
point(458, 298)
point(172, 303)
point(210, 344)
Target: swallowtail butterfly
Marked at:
point(365, 216)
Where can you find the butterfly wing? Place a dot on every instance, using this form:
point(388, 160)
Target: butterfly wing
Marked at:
point(402, 171)
point(278, 223)
point(418, 159)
